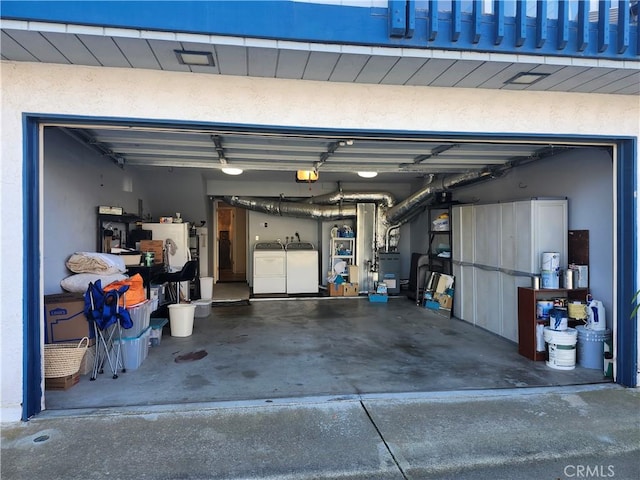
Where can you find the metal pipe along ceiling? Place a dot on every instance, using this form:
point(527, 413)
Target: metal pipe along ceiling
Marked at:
point(342, 205)
point(294, 209)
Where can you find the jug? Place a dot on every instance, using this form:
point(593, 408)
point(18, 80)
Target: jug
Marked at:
point(595, 314)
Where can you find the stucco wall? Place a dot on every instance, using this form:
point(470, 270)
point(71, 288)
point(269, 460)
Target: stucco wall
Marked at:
point(128, 93)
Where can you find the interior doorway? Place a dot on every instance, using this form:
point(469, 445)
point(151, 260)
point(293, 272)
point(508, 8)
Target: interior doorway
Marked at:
point(231, 234)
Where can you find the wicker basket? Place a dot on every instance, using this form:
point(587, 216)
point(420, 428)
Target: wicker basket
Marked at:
point(63, 359)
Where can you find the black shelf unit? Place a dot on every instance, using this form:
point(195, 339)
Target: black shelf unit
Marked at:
point(437, 263)
point(124, 220)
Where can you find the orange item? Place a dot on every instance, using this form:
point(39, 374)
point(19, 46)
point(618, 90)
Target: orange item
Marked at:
point(136, 293)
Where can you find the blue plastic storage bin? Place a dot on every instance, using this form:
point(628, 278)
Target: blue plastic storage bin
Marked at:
point(378, 298)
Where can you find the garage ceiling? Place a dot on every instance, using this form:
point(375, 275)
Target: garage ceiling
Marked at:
point(274, 156)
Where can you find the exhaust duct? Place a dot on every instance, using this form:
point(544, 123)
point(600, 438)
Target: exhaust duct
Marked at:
point(293, 209)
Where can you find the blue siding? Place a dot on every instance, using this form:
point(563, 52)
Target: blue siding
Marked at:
point(408, 24)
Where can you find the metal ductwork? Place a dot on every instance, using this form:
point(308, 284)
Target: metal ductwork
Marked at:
point(405, 208)
point(343, 205)
point(293, 209)
point(379, 198)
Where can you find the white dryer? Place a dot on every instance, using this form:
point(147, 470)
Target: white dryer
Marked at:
point(302, 268)
point(269, 268)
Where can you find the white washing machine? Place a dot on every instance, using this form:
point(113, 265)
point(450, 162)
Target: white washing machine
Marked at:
point(269, 268)
point(302, 268)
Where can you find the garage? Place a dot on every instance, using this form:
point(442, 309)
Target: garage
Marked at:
point(279, 346)
point(154, 142)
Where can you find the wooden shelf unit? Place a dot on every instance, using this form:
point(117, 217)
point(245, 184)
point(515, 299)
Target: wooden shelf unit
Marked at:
point(527, 315)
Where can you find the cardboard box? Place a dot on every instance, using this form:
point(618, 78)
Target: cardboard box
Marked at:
point(354, 273)
point(64, 319)
point(155, 246)
point(336, 290)
point(445, 301)
point(350, 290)
point(61, 383)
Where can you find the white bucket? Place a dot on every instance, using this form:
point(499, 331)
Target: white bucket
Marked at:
point(206, 287)
point(550, 261)
point(562, 348)
point(181, 319)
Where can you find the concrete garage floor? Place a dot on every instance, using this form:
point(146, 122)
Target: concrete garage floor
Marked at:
point(282, 348)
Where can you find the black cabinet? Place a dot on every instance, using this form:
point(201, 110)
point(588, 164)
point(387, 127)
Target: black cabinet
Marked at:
point(439, 251)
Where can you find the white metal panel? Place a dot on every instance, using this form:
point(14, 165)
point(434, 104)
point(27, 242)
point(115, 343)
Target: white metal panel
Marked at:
point(462, 233)
point(269, 284)
point(291, 63)
point(632, 80)
point(13, 50)
point(579, 79)
point(320, 65)
point(376, 69)
point(269, 271)
point(455, 73)
point(105, 50)
point(232, 59)
point(38, 46)
point(138, 52)
point(487, 299)
point(262, 62)
point(550, 229)
point(464, 293)
point(429, 71)
point(302, 271)
point(507, 236)
point(348, 67)
point(524, 251)
point(487, 234)
point(481, 74)
point(509, 300)
point(403, 70)
point(72, 48)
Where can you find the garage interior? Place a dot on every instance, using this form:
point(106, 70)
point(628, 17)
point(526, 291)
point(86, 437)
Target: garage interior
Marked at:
point(294, 347)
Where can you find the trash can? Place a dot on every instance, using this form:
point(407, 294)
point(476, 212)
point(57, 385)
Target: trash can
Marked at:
point(206, 287)
point(181, 319)
point(591, 345)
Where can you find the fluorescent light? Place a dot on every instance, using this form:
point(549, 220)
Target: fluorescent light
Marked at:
point(202, 59)
point(368, 174)
point(232, 171)
point(526, 78)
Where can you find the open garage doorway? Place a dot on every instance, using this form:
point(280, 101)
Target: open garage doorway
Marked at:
point(231, 238)
point(293, 338)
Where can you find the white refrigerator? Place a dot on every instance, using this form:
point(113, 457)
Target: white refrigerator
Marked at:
point(175, 237)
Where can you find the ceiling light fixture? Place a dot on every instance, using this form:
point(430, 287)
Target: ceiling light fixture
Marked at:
point(232, 171)
point(307, 176)
point(200, 59)
point(368, 174)
point(526, 78)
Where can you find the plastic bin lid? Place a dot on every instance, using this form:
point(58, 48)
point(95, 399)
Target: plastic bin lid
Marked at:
point(204, 301)
point(157, 323)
